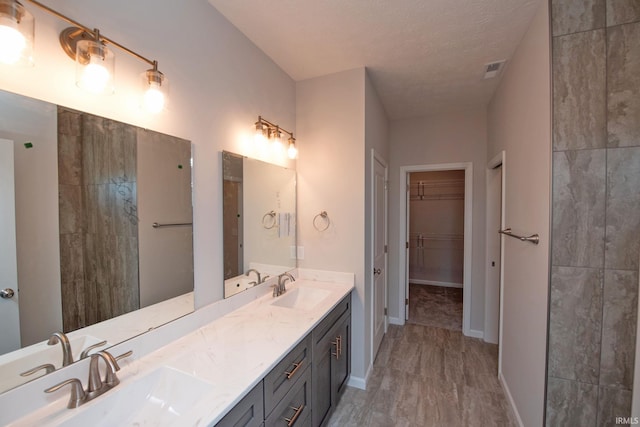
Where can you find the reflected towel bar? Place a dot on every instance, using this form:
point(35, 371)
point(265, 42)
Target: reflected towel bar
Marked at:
point(534, 238)
point(158, 225)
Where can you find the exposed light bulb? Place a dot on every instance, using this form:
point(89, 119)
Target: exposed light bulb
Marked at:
point(153, 99)
point(292, 151)
point(12, 43)
point(259, 134)
point(94, 77)
point(94, 67)
point(277, 141)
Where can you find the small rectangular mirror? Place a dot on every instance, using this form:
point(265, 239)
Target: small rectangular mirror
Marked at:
point(259, 221)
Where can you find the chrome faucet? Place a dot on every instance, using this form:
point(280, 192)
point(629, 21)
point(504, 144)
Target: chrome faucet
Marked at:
point(281, 287)
point(60, 337)
point(253, 270)
point(96, 385)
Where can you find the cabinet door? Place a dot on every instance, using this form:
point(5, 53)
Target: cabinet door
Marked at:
point(341, 363)
point(249, 412)
point(322, 379)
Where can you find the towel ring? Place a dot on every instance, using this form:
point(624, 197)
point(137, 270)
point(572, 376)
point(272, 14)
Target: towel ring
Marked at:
point(327, 222)
point(269, 220)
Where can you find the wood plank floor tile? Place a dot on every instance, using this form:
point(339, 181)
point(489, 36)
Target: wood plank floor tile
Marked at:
point(427, 376)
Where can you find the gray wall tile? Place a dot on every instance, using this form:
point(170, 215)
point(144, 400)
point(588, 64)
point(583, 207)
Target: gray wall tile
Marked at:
point(571, 403)
point(619, 322)
point(579, 182)
point(572, 16)
point(575, 323)
point(579, 91)
point(623, 83)
point(622, 11)
point(613, 403)
point(622, 248)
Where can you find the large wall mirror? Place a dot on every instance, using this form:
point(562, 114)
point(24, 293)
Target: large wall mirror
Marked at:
point(259, 218)
point(95, 234)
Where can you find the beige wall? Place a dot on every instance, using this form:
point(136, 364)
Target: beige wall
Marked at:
point(444, 138)
point(331, 177)
point(519, 124)
point(218, 88)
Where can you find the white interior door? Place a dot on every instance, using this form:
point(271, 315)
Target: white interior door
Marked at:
point(379, 252)
point(494, 222)
point(407, 202)
point(9, 309)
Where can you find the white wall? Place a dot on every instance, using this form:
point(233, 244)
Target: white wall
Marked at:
point(37, 231)
point(520, 123)
point(330, 114)
point(163, 193)
point(444, 138)
point(220, 83)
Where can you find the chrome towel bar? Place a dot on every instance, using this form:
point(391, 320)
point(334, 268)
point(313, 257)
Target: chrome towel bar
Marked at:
point(158, 225)
point(534, 238)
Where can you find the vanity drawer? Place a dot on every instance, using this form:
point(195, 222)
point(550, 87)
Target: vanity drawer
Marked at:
point(294, 409)
point(249, 412)
point(280, 380)
point(328, 322)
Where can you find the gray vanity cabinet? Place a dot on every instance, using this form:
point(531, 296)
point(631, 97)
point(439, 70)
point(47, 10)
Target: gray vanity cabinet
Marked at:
point(249, 412)
point(295, 407)
point(331, 361)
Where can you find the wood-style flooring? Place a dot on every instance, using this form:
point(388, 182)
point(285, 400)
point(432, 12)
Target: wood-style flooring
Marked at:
point(436, 306)
point(425, 376)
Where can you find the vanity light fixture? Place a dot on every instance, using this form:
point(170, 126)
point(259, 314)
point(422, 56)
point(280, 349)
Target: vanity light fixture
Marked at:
point(16, 33)
point(95, 61)
point(267, 130)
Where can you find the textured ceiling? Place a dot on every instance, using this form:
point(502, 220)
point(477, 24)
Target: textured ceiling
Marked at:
point(423, 56)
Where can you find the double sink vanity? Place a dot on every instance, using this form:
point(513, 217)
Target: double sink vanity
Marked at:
point(244, 361)
point(104, 321)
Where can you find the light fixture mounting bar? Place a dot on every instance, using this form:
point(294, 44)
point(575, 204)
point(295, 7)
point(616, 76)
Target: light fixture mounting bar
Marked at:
point(274, 126)
point(92, 32)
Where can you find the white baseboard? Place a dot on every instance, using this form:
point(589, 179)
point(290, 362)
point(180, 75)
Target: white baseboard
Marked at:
point(473, 333)
point(357, 382)
point(396, 321)
point(512, 404)
point(434, 283)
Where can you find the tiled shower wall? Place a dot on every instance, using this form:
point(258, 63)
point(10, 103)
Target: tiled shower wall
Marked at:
point(596, 210)
point(98, 222)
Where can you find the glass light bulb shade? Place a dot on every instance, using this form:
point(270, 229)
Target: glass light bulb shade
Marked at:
point(16, 34)
point(259, 135)
point(155, 91)
point(95, 67)
point(292, 151)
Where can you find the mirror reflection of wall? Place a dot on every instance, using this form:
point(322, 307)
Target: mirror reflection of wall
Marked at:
point(86, 193)
point(259, 216)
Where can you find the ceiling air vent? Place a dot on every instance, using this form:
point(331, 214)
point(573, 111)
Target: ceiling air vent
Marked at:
point(493, 69)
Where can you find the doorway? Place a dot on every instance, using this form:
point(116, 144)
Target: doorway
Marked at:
point(430, 241)
point(436, 250)
point(379, 278)
point(496, 186)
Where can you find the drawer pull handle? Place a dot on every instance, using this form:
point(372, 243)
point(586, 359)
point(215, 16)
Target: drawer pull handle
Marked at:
point(337, 344)
point(340, 345)
point(291, 421)
point(296, 366)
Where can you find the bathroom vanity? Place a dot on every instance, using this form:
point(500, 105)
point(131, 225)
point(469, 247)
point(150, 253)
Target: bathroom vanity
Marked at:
point(252, 357)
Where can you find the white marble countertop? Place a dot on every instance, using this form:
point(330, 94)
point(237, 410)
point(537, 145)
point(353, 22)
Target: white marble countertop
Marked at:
point(232, 354)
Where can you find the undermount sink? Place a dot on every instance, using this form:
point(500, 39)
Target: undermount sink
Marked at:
point(30, 357)
point(164, 397)
point(302, 298)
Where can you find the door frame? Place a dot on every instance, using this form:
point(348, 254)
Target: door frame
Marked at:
point(467, 167)
point(499, 160)
point(377, 157)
